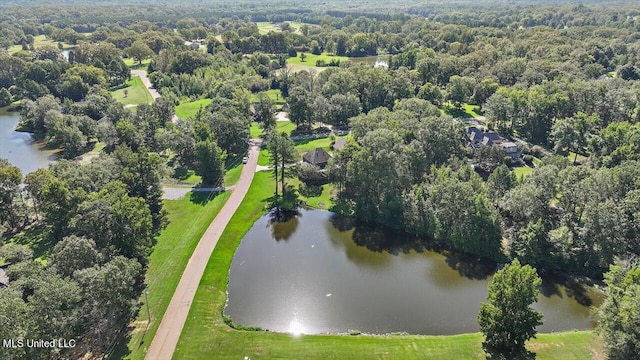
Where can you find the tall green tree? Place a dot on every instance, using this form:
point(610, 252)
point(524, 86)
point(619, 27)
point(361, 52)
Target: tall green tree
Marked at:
point(282, 151)
point(139, 51)
point(264, 109)
point(210, 161)
point(619, 320)
point(507, 320)
point(10, 179)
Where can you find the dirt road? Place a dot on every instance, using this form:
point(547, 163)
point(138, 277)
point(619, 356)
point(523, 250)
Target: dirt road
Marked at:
point(166, 338)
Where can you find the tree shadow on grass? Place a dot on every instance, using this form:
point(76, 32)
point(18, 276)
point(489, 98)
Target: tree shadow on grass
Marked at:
point(37, 238)
point(203, 197)
point(181, 173)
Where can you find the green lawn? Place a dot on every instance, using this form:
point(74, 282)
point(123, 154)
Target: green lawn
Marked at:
point(286, 126)
point(38, 42)
point(256, 130)
point(188, 221)
point(263, 157)
point(265, 27)
point(579, 159)
point(190, 109)
point(205, 335)
point(232, 175)
point(522, 172)
point(465, 111)
point(274, 94)
point(311, 59)
point(323, 201)
point(302, 146)
point(134, 65)
point(137, 93)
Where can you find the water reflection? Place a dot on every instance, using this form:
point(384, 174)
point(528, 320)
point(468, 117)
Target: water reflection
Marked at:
point(20, 148)
point(334, 275)
point(283, 224)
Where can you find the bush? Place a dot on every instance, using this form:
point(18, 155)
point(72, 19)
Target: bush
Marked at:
point(508, 161)
point(311, 175)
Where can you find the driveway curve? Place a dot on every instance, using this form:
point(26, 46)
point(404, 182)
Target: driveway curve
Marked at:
point(168, 333)
point(142, 74)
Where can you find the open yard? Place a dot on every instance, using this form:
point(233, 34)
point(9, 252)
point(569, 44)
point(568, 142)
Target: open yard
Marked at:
point(256, 130)
point(190, 109)
point(189, 218)
point(274, 94)
point(206, 336)
point(134, 65)
point(136, 93)
point(464, 112)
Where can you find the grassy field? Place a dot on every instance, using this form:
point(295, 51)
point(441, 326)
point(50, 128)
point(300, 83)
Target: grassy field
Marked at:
point(522, 172)
point(190, 109)
point(265, 27)
point(137, 93)
point(464, 112)
point(256, 130)
point(38, 42)
point(205, 335)
point(189, 218)
point(134, 65)
point(274, 94)
point(311, 59)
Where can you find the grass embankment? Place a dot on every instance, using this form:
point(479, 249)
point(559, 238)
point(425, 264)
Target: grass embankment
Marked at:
point(190, 109)
point(189, 218)
point(206, 336)
point(137, 93)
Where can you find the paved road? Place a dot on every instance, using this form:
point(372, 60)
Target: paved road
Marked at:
point(166, 339)
point(145, 80)
point(175, 193)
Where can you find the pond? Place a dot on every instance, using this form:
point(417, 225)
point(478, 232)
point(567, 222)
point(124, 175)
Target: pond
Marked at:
point(323, 273)
point(20, 148)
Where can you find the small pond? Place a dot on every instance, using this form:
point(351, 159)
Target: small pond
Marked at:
point(20, 148)
point(323, 273)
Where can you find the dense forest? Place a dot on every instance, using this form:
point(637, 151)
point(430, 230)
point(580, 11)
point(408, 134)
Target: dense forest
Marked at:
point(560, 80)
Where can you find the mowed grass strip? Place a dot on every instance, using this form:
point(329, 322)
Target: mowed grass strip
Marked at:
point(189, 218)
point(206, 336)
point(137, 93)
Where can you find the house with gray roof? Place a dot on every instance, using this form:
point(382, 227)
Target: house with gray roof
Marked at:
point(317, 156)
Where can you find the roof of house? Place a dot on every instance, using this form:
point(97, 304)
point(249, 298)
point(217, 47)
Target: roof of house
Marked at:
point(316, 156)
point(472, 130)
point(492, 135)
point(339, 144)
point(487, 141)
